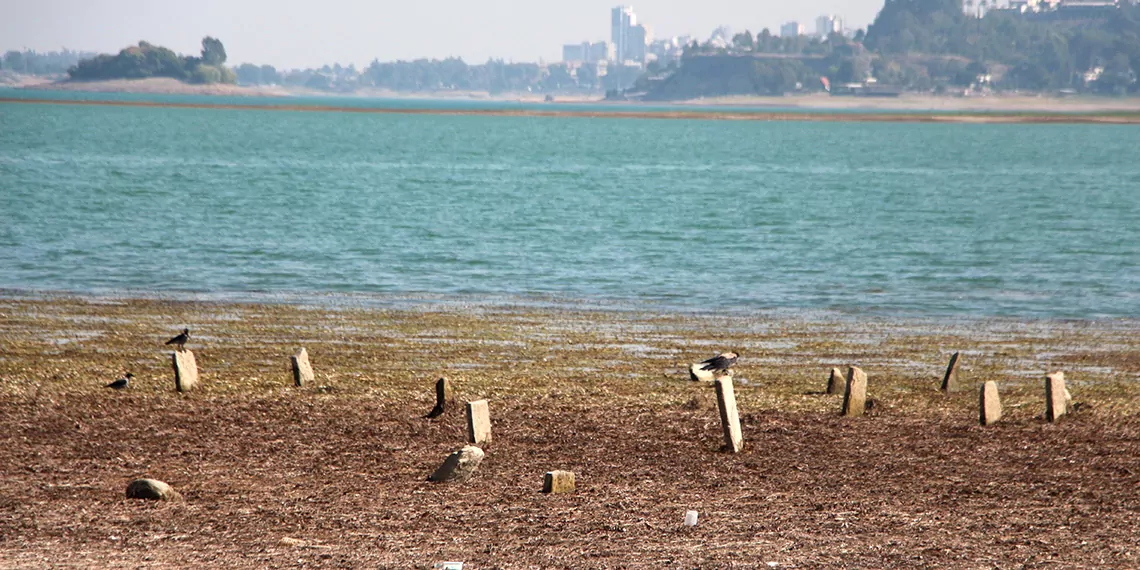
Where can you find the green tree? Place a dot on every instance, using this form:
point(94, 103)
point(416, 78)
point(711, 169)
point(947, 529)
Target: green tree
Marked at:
point(213, 52)
point(743, 41)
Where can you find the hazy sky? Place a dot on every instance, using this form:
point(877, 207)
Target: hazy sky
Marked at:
point(307, 33)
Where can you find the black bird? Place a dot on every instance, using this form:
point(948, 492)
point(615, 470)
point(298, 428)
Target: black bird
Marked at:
point(121, 382)
point(722, 361)
point(180, 340)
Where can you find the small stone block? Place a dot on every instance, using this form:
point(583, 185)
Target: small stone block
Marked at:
point(855, 395)
point(151, 489)
point(836, 382)
point(729, 419)
point(558, 482)
point(185, 371)
point(458, 466)
point(950, 380)
point(478, 422)
point(1056, 402)
point(989, 404)
point(302, 371)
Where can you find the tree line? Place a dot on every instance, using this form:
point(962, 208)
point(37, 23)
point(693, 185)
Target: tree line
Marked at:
point(148, 60)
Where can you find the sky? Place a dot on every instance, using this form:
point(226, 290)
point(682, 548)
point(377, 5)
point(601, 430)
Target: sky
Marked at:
point(308, 33)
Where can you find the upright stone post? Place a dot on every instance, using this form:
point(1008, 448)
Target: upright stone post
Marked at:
point(855, 395)
point(442, 396)
point(478, 422)
point(302, 371)
point(836, 382)
point(989, 404)
point(950, 380)
point(558, 482)
point(729, 419)
point(185, 371)
point(1056, 402)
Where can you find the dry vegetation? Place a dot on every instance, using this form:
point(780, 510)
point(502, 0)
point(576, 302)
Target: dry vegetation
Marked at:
point(333, 475)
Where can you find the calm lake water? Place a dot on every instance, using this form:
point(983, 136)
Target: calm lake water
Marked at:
point(1030, 221)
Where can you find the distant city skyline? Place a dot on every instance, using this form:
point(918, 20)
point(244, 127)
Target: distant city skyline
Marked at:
point(301, 33)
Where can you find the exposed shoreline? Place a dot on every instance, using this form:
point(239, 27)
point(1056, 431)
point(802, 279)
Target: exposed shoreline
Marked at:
point(615, 112)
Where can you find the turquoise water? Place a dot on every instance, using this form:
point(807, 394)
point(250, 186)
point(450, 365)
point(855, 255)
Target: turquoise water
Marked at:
point(1031, 221)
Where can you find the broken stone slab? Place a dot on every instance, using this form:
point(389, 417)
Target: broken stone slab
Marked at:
point(1056, 400)
point(836, 382)
point(989, 404)
point(729, 418)
point(478, 422)
point(950, 382)
point(855, 394)
point(558, 482)
point(185, 371)
point(151, 489)
point(443, 394)
point(302, 371)
point(698, 375)
point(459, 466)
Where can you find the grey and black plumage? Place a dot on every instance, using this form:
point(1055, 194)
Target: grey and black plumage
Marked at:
point(121, 382)
point(180, 340)
point(722, 361)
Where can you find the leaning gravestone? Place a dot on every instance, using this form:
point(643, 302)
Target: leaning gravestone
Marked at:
point(950, 380)
point(836, 382)
point(989, 404)
point(1056, 396)
point(458, 466)
point(558, 482)
point(185, 371)
point(478, 422)
point(442, 397)
point(302, 371)
point(151, 489)
point(855, 396)
point(729, 418)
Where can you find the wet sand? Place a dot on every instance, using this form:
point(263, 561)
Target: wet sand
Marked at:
point(332, 474)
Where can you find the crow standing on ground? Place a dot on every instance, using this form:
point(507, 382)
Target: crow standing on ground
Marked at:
point(180, 340)
point(719, 362)
point(121, 382)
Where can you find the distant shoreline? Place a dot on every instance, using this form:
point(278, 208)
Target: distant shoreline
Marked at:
point(708, 113)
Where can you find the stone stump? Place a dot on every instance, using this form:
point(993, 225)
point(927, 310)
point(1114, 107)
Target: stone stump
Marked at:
point(989, 404)
point(151, 489)
point(729, 419)
point(302, 371)
point(950, 381)
point(443, 395)
point(185, 371)
point(458, 466)
point(558, 482)
point(1056, 396)
point(836, 382)
point(855, 394)
point(478, 422)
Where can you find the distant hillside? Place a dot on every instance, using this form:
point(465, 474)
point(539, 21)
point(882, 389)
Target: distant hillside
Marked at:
point(146, 60)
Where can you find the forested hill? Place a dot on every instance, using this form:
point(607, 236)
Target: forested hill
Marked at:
point(147, 60)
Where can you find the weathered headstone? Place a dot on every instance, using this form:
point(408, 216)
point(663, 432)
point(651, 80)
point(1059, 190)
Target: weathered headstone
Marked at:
point(151, 489)
point(855, 394)
point(302, 371)
point(1056, 402)
point(442, 397)
point(950, 381)
point(698, 375)
point(478, 422)
point(729, 419)
point(836, 382)
point(459, 466)
point(558, 482)
point(989, 404)
point(185, 371)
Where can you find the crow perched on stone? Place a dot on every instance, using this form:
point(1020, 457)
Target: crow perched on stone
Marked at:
point(180, 340)
point(121, 382)
point(722, 361)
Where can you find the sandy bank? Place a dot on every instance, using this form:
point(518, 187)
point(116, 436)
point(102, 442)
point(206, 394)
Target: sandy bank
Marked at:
point(156, 86)
point(924, 102)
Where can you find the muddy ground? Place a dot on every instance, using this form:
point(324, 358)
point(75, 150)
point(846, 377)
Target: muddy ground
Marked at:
point(333, 474)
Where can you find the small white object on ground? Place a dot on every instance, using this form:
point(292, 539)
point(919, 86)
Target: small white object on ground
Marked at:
point(447, 566)
point(690, 518)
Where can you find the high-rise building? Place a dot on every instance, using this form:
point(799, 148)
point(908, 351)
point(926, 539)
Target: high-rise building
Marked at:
point(792, 30)
point(621, 24)
point(587, 52)
point(827, 25)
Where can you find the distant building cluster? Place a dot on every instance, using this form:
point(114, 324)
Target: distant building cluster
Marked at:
point(1053, 8)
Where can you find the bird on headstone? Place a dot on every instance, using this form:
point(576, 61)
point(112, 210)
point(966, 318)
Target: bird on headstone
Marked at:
point(720, 362)
point(121, 382)
point(180, 340)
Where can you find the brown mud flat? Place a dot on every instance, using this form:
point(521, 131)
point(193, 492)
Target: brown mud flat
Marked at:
point(1001, 117)
point(333, 475)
